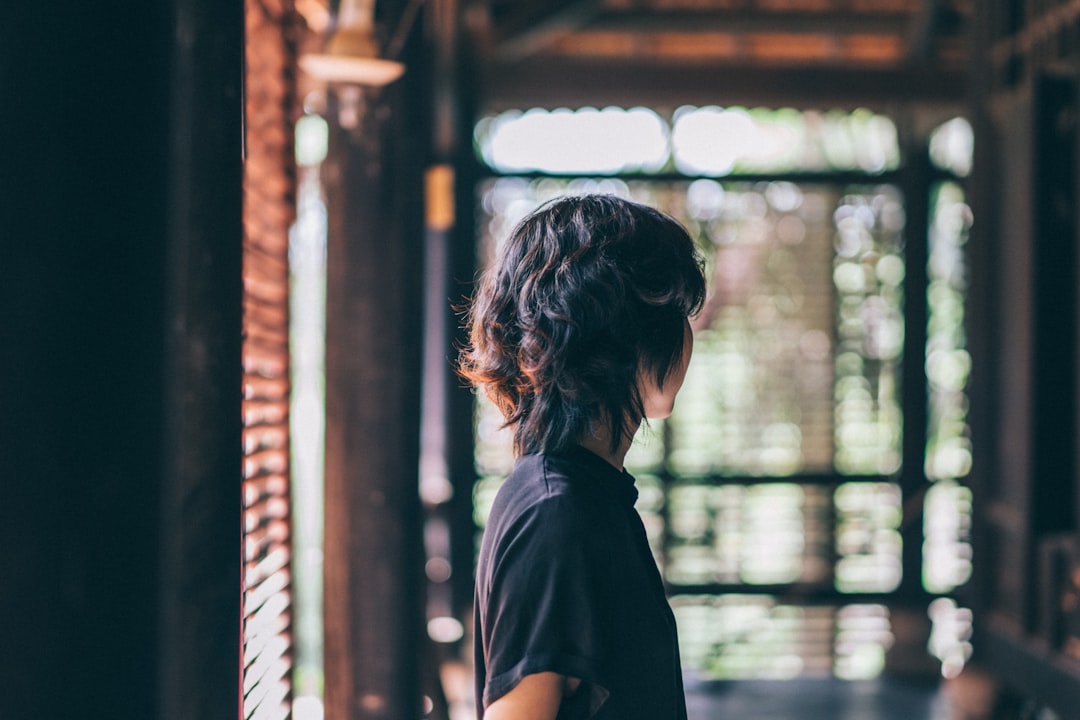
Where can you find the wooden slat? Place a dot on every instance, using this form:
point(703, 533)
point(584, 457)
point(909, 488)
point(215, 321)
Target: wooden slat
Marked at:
point(265, 388)
point(257, 487)
point(266, 509)
point(255, 412)
point(258, 540)
point(269, 196)
point(274, 338)
point(263, 437)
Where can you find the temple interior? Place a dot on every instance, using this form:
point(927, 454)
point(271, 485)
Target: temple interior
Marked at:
point(240, 477)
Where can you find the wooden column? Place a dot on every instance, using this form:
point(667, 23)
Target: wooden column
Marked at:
point(120, 360)
point(453, 119)
point(1054, 406)
point(373, 551)
point(200, 526)
point(984, 313)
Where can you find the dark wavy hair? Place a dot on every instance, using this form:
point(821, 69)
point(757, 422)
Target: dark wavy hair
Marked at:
point(586, 295)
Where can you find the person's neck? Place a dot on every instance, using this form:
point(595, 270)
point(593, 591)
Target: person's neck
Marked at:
point(599, 443)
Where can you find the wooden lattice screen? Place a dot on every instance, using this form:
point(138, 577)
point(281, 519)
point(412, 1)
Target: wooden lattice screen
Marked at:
point(269, 208)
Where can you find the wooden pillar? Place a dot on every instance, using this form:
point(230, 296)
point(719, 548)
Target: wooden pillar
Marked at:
point(120, 360)
point(1054, 407)
point(984, 311)
point(453, 120)
point(373, 562)
point(463, 269)
point(199, 623)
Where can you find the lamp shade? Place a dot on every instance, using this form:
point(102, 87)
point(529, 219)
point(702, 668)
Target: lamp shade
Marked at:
point(351, 54)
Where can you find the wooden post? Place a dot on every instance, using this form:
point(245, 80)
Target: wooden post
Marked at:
point(453, 89)
point(199, 620)
point(120, 360)
point(373, 560)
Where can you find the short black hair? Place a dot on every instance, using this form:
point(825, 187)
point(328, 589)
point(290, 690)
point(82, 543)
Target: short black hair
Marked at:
point(586, 294)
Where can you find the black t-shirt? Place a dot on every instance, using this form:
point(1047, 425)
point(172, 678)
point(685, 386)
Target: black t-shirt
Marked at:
point(566, 583)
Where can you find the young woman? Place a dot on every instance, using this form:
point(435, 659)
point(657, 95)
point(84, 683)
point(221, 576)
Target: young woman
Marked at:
point(578, 332)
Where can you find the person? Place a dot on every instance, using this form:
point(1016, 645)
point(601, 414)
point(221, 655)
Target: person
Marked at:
point(578, 332)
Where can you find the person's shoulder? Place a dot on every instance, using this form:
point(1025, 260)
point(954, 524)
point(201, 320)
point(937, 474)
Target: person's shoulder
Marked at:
point(538, 486)
point(540, 477)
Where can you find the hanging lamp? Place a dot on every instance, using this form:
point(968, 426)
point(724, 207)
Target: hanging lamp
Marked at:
point(351, 55)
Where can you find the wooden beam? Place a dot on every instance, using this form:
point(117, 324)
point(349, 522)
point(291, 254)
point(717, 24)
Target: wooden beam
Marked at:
point(535, 25)
point(752, 20)
point(598, 83)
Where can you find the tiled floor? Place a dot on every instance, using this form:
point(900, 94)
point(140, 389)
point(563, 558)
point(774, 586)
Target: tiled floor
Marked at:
point(884, 699)
point(968, 697)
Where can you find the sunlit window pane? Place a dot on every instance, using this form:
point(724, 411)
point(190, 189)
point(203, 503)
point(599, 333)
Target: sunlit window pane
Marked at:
point(952, 146)
point(758, 393)
point(573, 141)
point(946, 537)
point(720, 141)
point(868, 274)
point(763, 534)
point(493, 449)
point(863, 636)
point(754, 636)
point(948, 364)
point(868, 545)
point(950, 635)
point(711, 140)
point(772, 537)
point(947, 552)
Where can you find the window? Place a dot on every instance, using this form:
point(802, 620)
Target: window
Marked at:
point(773, 495)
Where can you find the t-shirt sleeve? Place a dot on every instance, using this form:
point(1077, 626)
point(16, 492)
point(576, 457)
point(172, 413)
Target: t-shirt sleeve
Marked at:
point(540, 613)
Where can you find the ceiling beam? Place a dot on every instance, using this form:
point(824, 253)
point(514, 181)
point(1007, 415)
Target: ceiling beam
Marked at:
point(738, 20)
point(559, 82)
point(532, 26)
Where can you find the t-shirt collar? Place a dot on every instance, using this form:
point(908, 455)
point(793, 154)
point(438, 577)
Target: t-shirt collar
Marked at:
point(619, 482)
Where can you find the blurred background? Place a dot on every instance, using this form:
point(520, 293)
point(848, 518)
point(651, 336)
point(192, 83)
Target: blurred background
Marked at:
point(240, 477)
